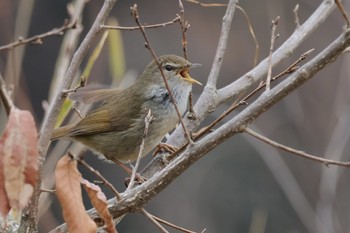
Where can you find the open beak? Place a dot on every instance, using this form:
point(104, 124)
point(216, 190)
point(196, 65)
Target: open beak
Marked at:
point(186, 76)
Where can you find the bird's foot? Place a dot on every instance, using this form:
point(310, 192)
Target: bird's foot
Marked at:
point(164, 147)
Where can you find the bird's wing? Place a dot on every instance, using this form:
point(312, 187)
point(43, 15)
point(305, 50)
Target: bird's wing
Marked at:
point(93, 96)
point(117, 114)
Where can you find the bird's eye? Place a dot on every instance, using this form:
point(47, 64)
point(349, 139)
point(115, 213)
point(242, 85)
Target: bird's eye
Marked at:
point(169, 67)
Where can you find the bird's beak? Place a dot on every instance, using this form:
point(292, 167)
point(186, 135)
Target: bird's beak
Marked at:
point(186, 76)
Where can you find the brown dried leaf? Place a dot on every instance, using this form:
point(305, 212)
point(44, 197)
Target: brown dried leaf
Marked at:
point(99, 201)
point(68, 191)
point(18, 156)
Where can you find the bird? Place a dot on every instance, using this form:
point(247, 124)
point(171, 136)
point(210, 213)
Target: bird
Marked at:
point(114, 128)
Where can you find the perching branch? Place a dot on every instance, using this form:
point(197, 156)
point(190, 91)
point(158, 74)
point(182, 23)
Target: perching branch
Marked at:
point(135, 198)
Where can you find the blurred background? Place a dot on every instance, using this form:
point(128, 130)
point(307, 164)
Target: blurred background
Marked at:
point(243, 185)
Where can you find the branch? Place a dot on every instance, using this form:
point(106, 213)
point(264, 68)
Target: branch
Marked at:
point(294, 151)
point(158, 25)
point(273, 38)
point(29, 214)
point(221, 48)
point(38, 39)
point(343, 12)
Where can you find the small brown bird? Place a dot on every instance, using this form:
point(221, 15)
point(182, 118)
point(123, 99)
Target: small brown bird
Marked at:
point(115, 127)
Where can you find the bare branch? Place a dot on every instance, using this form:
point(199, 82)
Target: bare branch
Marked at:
point(148, 120)
point(171, 224)
point(153, 220)
point(158, 25)
point(38, 39)
point(273, 38)
point(343, 12)
point(296, 16)
point(251, 30)
point(184, 27)
point(206, 4)
point(221, 48)
point(303, 154)
point(98, 174)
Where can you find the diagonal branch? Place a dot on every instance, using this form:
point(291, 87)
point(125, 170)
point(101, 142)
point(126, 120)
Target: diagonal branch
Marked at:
point(294, 151)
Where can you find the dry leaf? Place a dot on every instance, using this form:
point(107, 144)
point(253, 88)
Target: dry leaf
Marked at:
point(99, 201)
point(18, 155)
point(68, 191)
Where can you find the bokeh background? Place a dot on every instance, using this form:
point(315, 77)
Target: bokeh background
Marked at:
point(243, 185)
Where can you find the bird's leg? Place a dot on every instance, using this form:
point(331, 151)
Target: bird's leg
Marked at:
point(164, 147)
point(138, 177)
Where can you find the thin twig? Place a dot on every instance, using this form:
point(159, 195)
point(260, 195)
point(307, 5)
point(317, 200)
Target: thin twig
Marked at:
point(206, 4)
point(51, 191)
point(82, 83)
point(171, 224)
point(221, 48)
point(273, 38)
point(5, 96)
point(76, 110)
point(98, 174)
point(148, 120)
point(38, 39)
point(303, 154)
point(343, 12)
point(184, 27)
point(158, 25)
point(296, 16)
point(150, 217)
point(135, 15)
point(252, 33)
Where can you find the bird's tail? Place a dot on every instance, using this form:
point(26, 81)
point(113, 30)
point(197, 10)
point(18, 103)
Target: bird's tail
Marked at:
point(61, 133)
